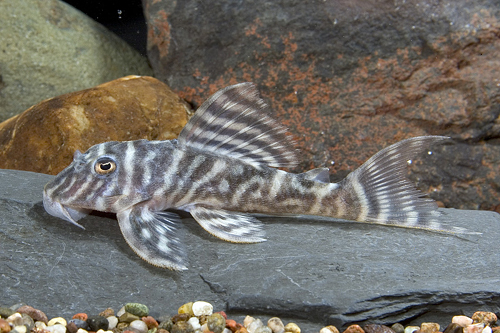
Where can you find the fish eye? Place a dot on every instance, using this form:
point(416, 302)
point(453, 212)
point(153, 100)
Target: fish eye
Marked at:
point(105, 166)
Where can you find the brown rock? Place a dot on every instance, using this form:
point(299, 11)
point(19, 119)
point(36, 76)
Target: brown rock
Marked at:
point(487, 318)
point(429, 328)
point(45, 137)
point(107, 313)
point(4, 326)
point(36, 314)
point(375, 328)
point(454, 328)
point(354, 329)
point(349, 78)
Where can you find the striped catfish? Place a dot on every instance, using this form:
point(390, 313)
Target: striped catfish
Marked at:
point(221, 169)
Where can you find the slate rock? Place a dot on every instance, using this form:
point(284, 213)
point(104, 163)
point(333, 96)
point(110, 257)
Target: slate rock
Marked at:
point(45, 137)
point(48, 48)
point(351, 77)
point(336, 272)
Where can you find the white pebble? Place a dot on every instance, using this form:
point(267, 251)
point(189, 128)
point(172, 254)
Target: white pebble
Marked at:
point(81, 330)
point(139, 326)
point(247, 321)
point(57, 320)
point(103, 331)
point(20, 329)
point(113, 321)
point(254, 325)
point(57, 328)
point(461, 320)
point(487, 329)
point(202, 308)
point(15, 319)
point(120, 312)
point(411, 329)
point(195, 323)
point(276, 325)
point(474, 328)
point(204, 328)
point(40, 325)
point(227, 330)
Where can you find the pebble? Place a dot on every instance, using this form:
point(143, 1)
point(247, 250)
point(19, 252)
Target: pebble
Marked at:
point(4, 326)
point(15, 319)
point(107, 313)
point(202, 308)
point(97, 322)
point(137, 309)
point(292, 328)
point(398, 328)
point(454, 328)
point(429, 327)
point(216, 323)
point(375, 328)
point(112, 322)
point(474, 328)
point(40, 325)
point(195, 323)
point(186, 308)
point(276, 325)
point(36, 314)
point(354, 329)
point(57, 320)
point(329, 329)
point(128, 318)
point(6, 312)
point(180, 317)
point(139, 326)
point(56, 328)
point(411, 329)
point(20, 329)
point(165, 323)
point(81, 316)
point(78, 323)
point(28, 321)
point(263, 329)
point(487, 329)
point(463, 321)
point(180, 327)
point(487, 318)
point(247, 321)
point(253, 324)
point(121, 311)
point(81, 330)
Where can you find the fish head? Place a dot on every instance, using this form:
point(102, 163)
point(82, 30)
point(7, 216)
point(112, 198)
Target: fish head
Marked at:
point(100, 179)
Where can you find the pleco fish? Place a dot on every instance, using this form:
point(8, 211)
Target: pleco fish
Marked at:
point(221, 169)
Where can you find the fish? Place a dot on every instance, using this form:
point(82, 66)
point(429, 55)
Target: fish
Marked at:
point(225, 168)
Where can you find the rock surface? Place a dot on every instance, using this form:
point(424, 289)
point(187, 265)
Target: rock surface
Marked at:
point(45, 137)
point(48, 48)
point(311, 271)
point(351, 77)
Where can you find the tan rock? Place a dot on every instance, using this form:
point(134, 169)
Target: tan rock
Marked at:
point(45, 137)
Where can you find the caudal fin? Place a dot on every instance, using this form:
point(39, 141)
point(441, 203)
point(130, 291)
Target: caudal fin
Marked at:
point(381, 193)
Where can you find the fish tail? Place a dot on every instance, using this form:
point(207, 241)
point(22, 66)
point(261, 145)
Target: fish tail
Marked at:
point(379, 192)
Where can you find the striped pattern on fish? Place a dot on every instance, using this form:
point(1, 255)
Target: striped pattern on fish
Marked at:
point(221, 170)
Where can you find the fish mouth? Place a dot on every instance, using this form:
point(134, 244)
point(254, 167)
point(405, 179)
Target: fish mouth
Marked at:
point(67, 213)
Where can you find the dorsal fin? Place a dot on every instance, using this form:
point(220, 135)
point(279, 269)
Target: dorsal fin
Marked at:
point(233, 122)
point(321, 175)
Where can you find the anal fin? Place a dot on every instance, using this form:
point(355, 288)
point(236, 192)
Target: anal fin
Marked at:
point(153, 237)
point(229, 226)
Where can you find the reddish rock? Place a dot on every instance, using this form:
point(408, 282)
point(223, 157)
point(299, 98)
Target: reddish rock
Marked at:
point(354, 329)
point(150, 322)
point(45, 137)
point(36, 314)
point(375, 328)
point(81, 316)
point(349, 78)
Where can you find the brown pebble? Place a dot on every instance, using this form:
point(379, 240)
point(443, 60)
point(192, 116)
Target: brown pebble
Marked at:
point(242, 329)
point(231, 324)
point(122, 326)
point(354, 329)
point(180, 317)
point(71, 327)
point(398, 328)
point(495, 329)
point(375, 328)
point(429, 328)
point(107, 313)
point(487, 318)
point(36, 314)
point(4, 326)
point(81, 316)
point(150, 322)
point(127, 318)
point(161, 330)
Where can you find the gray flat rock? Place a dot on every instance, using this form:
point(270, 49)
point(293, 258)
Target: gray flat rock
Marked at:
point(312, 271)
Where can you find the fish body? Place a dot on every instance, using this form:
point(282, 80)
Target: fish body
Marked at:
point(222, 169)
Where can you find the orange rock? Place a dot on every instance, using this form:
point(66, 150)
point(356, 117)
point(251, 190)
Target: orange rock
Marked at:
point(150, 322)
point(45, 137)
point(354, 329)
point(81, 316)
point(4, 326)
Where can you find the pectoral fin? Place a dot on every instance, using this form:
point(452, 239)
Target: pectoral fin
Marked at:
point(152, 235)
point(229, 226)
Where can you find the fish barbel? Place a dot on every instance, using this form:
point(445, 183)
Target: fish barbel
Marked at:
point(221, 169)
